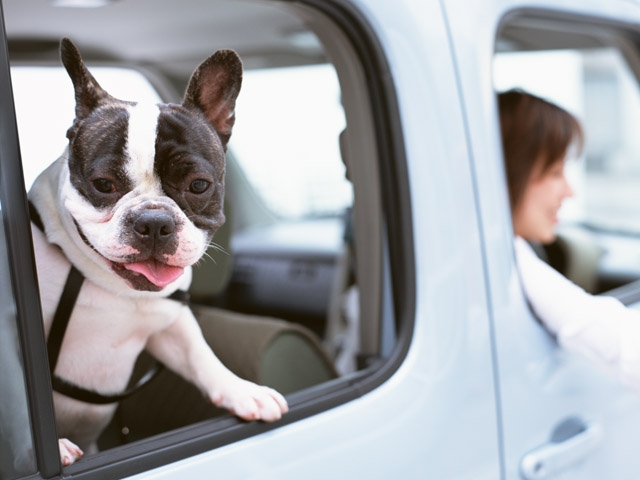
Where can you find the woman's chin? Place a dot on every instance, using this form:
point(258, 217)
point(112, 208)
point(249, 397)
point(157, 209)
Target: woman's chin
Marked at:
point(548, 237)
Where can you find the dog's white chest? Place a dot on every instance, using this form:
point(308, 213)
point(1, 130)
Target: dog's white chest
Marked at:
point(108, 333)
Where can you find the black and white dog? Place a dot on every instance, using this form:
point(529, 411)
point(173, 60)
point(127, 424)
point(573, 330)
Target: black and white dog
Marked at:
point(132, 204)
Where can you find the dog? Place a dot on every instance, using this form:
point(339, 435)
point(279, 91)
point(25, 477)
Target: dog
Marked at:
point(132, 204)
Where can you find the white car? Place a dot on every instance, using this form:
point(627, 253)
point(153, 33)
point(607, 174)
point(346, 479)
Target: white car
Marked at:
point(367, 268)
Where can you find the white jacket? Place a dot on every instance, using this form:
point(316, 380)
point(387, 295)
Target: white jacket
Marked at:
point(599, 327)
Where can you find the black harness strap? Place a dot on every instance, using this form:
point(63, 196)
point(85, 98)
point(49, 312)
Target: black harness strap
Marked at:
point(63, 314)
point(35, 217)
point(72, 390)
point(59, 325)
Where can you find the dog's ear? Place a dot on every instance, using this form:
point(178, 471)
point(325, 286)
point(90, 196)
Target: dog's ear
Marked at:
point(213, 89)
point(89, 93)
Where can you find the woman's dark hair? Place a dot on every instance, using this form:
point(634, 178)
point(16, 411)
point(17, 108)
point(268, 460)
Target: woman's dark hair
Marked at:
point(533, 130)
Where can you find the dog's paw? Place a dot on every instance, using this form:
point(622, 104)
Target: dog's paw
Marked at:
point(69, 452)
point(250, 401)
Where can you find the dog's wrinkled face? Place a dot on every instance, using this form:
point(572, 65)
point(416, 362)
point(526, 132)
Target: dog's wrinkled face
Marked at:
point(150, 186)
point(146, 182)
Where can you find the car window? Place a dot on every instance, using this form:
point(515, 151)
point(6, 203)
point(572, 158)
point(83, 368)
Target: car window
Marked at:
point(597, 86)
point(296, 291)
point(599, 228)
point(16, 446)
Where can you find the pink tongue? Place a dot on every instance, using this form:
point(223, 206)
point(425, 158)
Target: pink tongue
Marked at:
point(160, 274)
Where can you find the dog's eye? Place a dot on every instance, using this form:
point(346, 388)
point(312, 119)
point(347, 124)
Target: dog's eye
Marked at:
point(199, 186)
point(104, 186)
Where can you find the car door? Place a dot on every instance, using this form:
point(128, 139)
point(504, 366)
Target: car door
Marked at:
point(562, 417)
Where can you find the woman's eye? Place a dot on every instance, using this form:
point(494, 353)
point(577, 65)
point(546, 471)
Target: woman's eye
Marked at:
point(556, 170)
point(104, 186)
point(199, 186)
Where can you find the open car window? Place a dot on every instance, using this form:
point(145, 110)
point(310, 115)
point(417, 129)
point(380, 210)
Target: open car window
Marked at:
point(598, 86)
point(297, 291)
point(593, 76)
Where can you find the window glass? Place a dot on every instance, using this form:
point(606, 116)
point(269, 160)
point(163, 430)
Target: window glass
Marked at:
point(278, 293)
point(16, 448)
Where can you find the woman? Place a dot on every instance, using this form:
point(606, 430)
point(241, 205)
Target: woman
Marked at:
point(537, 136)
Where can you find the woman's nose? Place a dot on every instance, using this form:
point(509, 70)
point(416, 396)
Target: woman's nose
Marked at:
point(568, 190)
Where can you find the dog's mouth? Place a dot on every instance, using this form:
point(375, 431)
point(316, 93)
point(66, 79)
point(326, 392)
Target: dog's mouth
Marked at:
point(148, 274)
point(158, 273)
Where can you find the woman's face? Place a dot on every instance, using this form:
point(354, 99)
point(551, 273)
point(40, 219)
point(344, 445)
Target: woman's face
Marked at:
point(536, 216)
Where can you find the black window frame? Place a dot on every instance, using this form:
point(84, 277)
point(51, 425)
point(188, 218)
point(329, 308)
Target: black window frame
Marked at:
point(23, 275)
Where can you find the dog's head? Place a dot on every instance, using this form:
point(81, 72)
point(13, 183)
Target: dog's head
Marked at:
point(146, 182)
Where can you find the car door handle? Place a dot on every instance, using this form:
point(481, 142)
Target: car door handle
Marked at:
point(572, 440)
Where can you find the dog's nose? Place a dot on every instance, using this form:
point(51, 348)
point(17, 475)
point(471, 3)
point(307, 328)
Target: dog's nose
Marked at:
point(154, 224)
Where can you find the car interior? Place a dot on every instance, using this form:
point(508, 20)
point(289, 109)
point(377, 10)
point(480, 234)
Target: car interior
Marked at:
point(595, 78)
point(283, 296)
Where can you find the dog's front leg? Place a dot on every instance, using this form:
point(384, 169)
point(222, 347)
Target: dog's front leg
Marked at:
point(183, 349)
point(69, 452)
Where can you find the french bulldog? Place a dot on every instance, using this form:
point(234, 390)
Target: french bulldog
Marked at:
point(133, 203)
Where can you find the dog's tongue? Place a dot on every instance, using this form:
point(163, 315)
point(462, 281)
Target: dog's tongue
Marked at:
point(158, 273)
